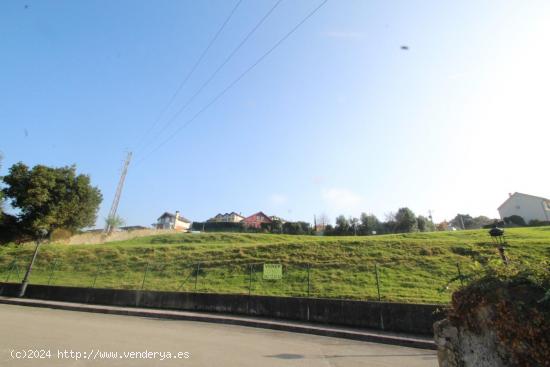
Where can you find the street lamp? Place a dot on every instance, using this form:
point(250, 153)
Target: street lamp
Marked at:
point(497, 235)
point(40, 236)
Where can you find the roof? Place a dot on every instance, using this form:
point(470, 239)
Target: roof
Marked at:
point(258, 213)
point(521, 194)
point(181, 217)
point(227, 214)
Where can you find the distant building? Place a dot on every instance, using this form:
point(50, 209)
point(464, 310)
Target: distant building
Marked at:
point(226, 218)
point(173, 221)
point(528, 207)
point(256, 220)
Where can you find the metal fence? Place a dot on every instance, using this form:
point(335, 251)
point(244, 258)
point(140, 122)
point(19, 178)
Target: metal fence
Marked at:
point(383, 281)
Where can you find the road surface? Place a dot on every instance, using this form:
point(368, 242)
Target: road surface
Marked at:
point(68, 338)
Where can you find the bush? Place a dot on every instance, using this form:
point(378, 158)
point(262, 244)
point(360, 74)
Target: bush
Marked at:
point(538, 223)
point(515, 220)
point(217, 227)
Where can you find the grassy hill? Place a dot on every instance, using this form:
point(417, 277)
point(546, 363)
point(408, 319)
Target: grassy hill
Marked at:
point(412, 267)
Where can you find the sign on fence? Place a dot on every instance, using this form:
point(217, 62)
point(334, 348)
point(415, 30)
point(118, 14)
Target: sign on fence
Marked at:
point(273, 271)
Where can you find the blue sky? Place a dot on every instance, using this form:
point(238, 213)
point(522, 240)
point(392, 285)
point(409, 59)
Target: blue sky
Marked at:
point(338, 119)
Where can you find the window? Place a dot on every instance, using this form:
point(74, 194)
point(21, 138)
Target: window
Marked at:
point(547, 205)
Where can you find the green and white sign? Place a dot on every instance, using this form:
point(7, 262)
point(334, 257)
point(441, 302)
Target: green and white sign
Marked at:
point(273, 271)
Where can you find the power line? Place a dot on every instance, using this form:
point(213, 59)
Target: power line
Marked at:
point(235, 81)
point(213, 75)
point(190, 73)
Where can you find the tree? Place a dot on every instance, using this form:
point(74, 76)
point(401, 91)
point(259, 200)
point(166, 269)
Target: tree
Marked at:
point(389, 225)
point(329, 230)
point(113, 222)
point(50, 198)
point(321, 221)
point(296, 227)
point(424, 224)
point(443, 226)
point(405, 221)
point(463, 221)
point(277, 226)
point(369, 224)
point(342, 225)
point(305, 227)
point(1, 194)
point(354, 225)
point(482, 221)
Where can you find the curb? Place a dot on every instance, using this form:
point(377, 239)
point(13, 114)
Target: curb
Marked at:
point(330, 331)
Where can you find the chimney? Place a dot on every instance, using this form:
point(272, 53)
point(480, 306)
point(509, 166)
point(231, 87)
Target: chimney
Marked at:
point(509, 194)
point(177, 215)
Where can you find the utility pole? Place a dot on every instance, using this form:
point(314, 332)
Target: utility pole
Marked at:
point(462, 221)
point(112, 213)
point(40, 236)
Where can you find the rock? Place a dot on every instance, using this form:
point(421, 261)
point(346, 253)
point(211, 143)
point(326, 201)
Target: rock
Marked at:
point(459, 347)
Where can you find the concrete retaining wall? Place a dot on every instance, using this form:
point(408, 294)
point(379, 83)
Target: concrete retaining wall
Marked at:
point(399, 317)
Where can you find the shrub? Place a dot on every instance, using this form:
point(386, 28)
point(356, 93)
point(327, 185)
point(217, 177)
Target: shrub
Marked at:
point(515, 220)
point(538, 223)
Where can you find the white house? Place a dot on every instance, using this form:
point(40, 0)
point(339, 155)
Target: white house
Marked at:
point(528, 207)
point(173, 221)
point(227, 218)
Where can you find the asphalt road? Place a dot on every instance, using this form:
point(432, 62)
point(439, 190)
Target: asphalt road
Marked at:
point(87, 339)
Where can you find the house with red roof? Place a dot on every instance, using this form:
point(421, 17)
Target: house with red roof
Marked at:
point(256, 220)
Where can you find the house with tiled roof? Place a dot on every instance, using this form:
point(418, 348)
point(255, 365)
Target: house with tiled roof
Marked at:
point(256, 220)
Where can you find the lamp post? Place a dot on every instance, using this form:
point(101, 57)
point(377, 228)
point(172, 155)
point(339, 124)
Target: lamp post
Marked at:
point(40, 235)
point(497, 235)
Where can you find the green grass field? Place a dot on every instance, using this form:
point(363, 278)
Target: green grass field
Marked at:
point(412, 267)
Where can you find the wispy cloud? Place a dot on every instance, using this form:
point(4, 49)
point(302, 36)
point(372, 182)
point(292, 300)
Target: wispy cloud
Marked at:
point(278, 199)
point(344, 34)
point(341, 200)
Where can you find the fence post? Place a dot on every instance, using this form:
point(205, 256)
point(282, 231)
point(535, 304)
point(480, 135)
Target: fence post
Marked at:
point(144, 275)
point(459, 274)
point(95, 275)
point(377, 282)
point(308, 283)
point(185, 280)
point(52, 271)
point(379, 297)
point(197, 275)
point(250, 279)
